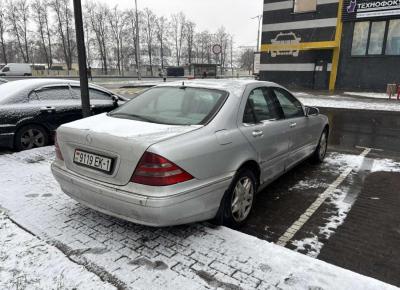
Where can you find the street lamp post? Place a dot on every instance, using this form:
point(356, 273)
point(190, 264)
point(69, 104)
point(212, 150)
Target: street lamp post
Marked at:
point(80, 41)
point(137, 41)
point(259, 17)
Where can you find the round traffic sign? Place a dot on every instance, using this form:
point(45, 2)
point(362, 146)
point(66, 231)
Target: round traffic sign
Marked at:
point(217, 49)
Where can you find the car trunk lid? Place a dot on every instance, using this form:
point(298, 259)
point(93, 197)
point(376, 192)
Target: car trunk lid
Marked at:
point(123, 141)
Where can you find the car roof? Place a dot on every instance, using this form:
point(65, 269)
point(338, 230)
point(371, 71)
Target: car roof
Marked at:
point(233, 86)
point(37, 82)
point(23, 87)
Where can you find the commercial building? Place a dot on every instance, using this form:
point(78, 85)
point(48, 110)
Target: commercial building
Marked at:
point(321, 44)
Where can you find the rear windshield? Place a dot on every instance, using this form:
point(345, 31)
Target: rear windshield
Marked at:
point(173, 105)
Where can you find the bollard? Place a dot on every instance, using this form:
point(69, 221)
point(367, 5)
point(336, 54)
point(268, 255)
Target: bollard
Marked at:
point(391, 90)
point(398, 92)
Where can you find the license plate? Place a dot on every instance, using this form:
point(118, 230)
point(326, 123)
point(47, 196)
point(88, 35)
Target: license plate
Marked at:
point(93, 161)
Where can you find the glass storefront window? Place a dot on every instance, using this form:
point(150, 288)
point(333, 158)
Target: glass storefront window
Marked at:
point(376, 37)
point(393, 38)
point(360, 38)
point(305, 6)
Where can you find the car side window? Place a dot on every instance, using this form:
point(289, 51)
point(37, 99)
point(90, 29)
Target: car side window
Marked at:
point(291, 107)
point(93, 94)
point(54, 93)
point(260, 107)
point(99, 95)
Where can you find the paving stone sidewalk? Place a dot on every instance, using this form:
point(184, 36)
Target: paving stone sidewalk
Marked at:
point(129, 256)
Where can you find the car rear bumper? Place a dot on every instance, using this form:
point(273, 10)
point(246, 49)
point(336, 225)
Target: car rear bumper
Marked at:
point(198, 205)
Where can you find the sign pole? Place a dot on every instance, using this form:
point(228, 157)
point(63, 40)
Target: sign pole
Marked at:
point(80, 40)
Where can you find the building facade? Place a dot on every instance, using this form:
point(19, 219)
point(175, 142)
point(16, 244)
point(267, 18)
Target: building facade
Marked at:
point(321, 44)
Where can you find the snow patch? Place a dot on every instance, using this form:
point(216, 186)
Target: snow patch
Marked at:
point(368, 95)
point(338, 199)
point(29, 263)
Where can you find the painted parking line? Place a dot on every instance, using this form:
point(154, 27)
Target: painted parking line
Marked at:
point(297, 225)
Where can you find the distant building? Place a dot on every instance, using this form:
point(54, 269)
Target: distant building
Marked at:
point(307, 43)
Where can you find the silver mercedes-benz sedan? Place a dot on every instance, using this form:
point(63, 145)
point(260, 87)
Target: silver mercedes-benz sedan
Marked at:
point(188, 151)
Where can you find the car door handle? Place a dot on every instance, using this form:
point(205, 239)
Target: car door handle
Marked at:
point(257, 133)
point(293, 125)
point(48, 109)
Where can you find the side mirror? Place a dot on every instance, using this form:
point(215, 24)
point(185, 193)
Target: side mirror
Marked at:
point(312, 111)
point(115, 99)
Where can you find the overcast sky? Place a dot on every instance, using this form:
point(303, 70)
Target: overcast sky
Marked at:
point(235, 15)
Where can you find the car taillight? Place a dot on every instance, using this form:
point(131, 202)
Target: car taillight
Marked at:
point(156, 170)
point(57, 148)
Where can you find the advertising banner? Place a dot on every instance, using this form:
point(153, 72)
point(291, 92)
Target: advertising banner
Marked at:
point(354, 10)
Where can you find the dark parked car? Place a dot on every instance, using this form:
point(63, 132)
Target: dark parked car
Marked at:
point(31, 110)
point(3, 81)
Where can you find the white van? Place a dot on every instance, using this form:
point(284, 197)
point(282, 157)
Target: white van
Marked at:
point(16, 69)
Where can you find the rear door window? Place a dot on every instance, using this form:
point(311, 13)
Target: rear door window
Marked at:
point(52, 94)
point(94, 94)
point(261, 106)
point(291, 107)
point(99, 95)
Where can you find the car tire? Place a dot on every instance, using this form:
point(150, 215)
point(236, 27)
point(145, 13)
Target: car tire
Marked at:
point(320, 152)
point(237, 203)
point(30, 136)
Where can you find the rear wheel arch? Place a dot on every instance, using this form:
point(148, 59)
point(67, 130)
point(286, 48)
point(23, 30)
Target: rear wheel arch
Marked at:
point(25, 123)
point(243, 202)
point(327, 128)
point(254, 167)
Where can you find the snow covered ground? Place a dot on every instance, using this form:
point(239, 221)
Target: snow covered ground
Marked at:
point(338, 101)
point(26, 262)
point(368, 95)
point(342, 198)
point(75, 244)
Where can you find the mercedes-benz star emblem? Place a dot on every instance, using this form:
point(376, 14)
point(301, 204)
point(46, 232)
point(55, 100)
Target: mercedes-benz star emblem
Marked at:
point(88, 139)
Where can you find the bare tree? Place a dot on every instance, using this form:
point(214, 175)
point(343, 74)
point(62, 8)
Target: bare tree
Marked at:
point(247, 60)
point(98, 21)
point(178, 31)
point(231, 53)
point(65, 30)
point(222, 38)
point(39, 8)
point(18, 15)
point(110, 36)
point(88, 37)
point(162, 33)
point(204, 43)
point(131, 16)
point(190, 31)
point(3, 28)
point(149, 34)
point(117, 21)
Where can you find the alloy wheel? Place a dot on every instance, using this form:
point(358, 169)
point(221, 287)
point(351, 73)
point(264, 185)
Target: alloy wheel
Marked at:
point(323, 144)
point(32, 138)
point(242, 199)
